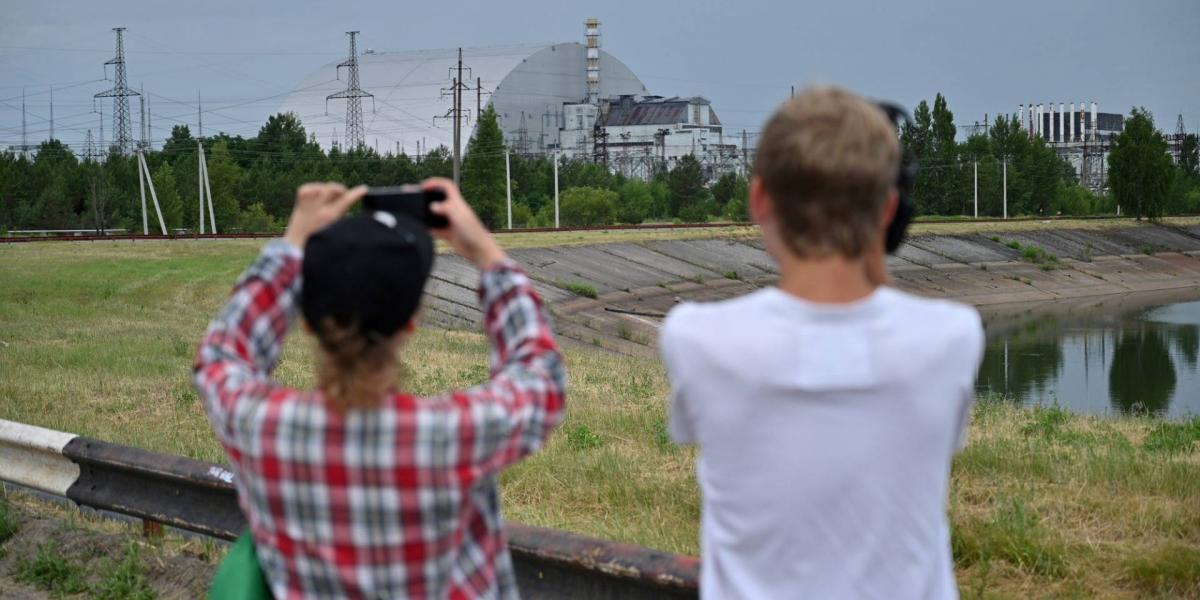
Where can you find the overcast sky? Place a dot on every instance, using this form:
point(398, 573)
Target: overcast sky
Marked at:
point(244, 56)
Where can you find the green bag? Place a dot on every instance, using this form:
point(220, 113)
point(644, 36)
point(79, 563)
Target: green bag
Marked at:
point(240, 577)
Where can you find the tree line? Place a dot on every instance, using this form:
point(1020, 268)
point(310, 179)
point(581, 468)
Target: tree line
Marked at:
point(253, 180)
point(1142, 179)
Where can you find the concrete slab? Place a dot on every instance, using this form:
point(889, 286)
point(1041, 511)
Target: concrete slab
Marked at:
point(718, 256)
point(917, 255)
point(968, 249)
point(642, 255)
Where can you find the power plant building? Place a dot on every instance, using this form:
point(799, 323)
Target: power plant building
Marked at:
point(1079, 133)
point(572, 100)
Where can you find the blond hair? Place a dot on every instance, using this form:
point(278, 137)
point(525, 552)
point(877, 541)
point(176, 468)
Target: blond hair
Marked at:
point(828, 160)
point(354, 371)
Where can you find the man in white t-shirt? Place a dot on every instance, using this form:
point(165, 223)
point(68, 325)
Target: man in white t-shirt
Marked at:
point(826, 409)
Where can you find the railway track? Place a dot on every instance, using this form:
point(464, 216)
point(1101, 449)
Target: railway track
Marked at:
point(645, 227)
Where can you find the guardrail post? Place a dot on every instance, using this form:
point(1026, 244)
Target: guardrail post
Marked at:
point(151, 529)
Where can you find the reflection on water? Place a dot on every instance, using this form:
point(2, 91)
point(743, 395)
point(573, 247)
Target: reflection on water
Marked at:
point(1099, 362)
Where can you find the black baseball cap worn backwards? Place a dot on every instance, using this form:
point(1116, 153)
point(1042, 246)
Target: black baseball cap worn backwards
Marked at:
point(367, 272)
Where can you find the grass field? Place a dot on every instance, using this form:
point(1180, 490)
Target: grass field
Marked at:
point(97, 339)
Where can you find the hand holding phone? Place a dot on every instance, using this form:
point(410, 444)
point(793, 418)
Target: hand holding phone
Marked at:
point(465, 232)
point(407, 200)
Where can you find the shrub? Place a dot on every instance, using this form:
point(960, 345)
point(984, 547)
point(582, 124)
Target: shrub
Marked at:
point(580, 289)
point(584, 206)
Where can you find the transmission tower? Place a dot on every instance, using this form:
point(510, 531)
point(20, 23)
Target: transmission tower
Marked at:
point(353, 96)
point(120, 93)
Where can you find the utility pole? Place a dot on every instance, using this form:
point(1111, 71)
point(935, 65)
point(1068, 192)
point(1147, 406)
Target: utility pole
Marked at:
point(458, 121)
point(24, 137)
point(120, 94)
point(508, 186)
point(200, 184)
point(976, 188)
point(1005, 187)
point(353, 95)
point(745, 156)
point(144, 176)
point(51, 112)
point(199, 117)
point(149, 120)
point(142, 122)
point(556, 189)
point(205, 189)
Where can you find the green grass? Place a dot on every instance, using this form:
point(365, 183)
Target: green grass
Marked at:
point(1044, 260)
point(123, 579)
point(734, 275)
point(49, 571)
point(8, 523)
point(581, 437)
point(580, 289)
point(1169, 437)
point(98, 341)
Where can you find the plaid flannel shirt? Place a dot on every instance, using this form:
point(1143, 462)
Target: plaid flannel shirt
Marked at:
point(396, 501)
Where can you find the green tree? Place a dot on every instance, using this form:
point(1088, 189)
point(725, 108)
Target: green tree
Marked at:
point(584, 206)
point(1189, 157)
point(688, 194)
point(168, 197)
point(179, 141)
point(1139, 169)
point(738, 207)
point(282, 136)
point(225, 177)
point(54, 207)
point(636, 202)
point(483, 183)
point(256, 219)
point(723, 189)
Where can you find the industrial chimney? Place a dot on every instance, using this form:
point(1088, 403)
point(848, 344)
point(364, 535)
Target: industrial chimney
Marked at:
point(1071, 128)
point(592, 30)
point(1095, 124)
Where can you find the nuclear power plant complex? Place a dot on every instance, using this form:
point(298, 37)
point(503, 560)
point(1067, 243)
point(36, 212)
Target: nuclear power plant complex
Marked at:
point(571, 100)
point(1078, 132)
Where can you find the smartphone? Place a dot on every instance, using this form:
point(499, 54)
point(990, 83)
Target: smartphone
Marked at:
point(407, 200)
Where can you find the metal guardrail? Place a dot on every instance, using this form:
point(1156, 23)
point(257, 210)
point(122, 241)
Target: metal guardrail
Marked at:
point(200, 497)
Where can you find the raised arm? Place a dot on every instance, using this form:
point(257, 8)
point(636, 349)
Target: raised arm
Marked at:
point(242, 345)
point(511, 415)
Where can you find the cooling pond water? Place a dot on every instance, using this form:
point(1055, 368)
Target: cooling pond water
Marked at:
point(1098, 359)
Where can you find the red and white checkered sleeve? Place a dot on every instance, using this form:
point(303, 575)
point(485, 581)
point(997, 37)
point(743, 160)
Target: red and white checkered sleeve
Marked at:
point(512, 414)
point(242, 345)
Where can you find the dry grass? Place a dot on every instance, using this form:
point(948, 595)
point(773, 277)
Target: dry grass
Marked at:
point(97, 339)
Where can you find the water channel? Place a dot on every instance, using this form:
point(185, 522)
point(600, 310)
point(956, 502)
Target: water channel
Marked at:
point(1110, 356)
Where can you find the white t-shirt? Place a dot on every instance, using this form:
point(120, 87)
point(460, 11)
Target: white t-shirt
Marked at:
point(825, 434)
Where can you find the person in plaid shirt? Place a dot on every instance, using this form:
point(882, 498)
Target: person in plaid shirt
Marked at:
point(356, 489)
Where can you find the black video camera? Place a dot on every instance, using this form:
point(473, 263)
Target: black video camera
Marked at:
point(407, 200)
point(904, 180)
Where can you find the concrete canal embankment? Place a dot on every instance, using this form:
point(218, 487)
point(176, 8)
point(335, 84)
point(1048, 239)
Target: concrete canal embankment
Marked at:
point(634, 283)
